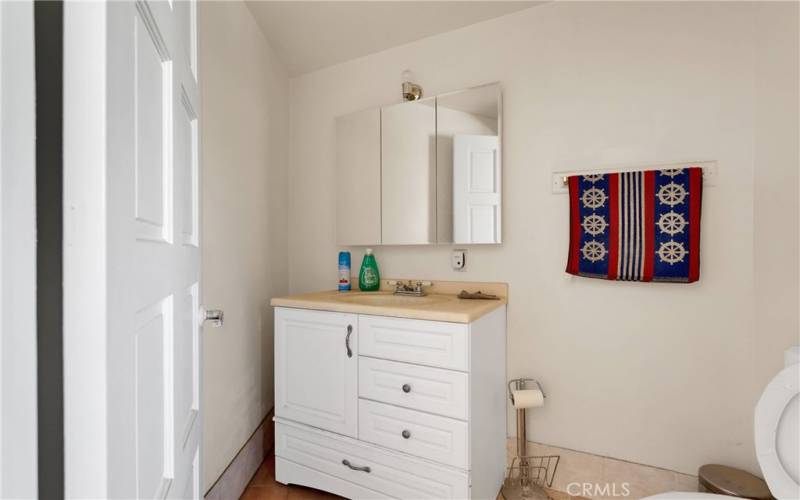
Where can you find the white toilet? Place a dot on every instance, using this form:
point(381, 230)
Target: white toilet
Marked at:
point(777, 433)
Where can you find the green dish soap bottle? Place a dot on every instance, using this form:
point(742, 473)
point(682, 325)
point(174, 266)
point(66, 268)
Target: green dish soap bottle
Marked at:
point(369, 279)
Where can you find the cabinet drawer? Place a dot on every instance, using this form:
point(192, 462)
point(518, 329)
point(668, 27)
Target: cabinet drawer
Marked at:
point(432, 343)
point(432, 437)
point(433, 390)
point(389, 473)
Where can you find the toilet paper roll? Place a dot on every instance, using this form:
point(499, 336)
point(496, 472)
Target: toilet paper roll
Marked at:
point(528, 398)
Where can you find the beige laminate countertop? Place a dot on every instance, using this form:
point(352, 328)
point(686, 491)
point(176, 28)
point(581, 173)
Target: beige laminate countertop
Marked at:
point(434, 306)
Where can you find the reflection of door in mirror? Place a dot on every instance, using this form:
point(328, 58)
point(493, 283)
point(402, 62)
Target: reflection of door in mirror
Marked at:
point(476, 189)
point(468, 199)
point(408, 173)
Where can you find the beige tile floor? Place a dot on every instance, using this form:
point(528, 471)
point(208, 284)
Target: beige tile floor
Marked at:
point(263, 486)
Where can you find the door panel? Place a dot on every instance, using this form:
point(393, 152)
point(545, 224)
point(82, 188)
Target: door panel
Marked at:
point(316, 379)
point(154, 392)
point(186, 135)
point(187, 383)
point(153, 117)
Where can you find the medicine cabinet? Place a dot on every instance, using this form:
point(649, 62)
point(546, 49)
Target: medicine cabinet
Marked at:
point(422, 172)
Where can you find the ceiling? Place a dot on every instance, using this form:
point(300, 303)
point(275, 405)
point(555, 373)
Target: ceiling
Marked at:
point(312, 35)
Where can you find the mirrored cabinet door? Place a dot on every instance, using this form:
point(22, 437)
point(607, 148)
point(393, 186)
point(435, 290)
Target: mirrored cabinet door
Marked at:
point(358, 178)
point(408, 173)
point(469, 180)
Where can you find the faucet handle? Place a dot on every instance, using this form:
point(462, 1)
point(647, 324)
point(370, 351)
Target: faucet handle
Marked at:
point(409, 287)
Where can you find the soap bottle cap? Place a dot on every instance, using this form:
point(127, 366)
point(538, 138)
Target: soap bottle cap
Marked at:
point(369, 251)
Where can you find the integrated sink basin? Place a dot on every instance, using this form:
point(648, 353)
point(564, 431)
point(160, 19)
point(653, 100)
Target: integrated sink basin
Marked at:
point(388, 299)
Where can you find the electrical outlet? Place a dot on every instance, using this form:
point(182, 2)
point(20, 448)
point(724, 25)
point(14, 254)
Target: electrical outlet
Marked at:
point(459, 260)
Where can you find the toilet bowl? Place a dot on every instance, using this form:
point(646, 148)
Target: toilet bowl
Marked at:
point(776, 428)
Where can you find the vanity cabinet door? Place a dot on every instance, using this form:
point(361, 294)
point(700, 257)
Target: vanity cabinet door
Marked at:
point(316, 369)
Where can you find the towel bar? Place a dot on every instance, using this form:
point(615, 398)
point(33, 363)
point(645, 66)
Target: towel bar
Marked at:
point(561, 179)
point(565, 179)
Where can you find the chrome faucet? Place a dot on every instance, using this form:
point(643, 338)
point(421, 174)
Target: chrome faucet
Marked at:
point(413, 289)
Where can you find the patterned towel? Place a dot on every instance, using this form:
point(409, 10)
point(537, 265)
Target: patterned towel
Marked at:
point(636, 226)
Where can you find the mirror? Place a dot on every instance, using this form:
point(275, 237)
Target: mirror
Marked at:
point(468, 184)
point(408, 173)
point(422, 172)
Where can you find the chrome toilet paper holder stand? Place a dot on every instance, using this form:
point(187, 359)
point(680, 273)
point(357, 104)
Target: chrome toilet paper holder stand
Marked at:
point(528, 474)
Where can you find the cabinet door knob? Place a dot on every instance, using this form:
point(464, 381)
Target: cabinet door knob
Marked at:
point(406, 434)
point(347, 341)
point(406, 388)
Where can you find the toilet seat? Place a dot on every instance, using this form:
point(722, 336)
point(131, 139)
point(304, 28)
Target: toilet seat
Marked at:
point(774, 403)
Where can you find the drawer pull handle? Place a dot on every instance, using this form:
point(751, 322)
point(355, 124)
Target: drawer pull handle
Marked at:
point(354, 467)
point(406, 388)
point(347, 341)
point(406, 434)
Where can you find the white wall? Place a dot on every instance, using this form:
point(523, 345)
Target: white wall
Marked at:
point(244, 159)
point(776, 249)
point(662, 374)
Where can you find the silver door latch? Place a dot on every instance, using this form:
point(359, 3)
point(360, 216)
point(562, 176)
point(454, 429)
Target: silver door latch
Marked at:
point(214, 317)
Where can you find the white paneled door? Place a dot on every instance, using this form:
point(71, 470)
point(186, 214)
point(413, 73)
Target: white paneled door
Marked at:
point(132, 255)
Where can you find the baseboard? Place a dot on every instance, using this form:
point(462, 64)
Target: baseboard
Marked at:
point(235, 478)
point(594, 476)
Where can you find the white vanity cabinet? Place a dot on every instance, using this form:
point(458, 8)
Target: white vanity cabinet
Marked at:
point(384, 407)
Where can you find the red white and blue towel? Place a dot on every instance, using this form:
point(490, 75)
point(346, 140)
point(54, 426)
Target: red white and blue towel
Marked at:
point(636, 226)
